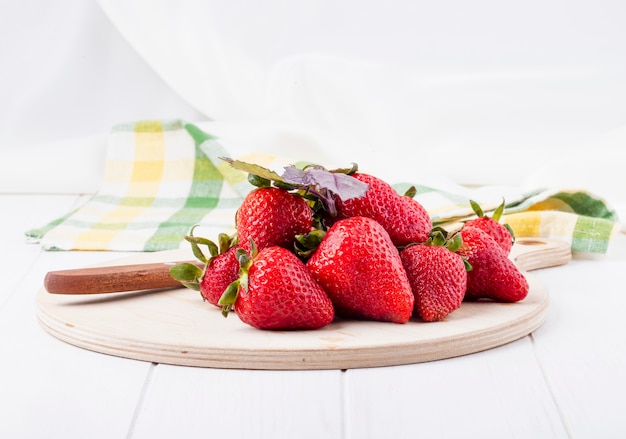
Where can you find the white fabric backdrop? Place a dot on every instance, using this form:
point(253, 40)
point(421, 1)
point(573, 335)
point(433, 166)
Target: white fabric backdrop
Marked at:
point(479, 92)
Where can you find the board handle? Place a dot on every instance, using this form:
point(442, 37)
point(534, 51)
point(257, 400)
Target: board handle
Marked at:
point(112, 279)
point(535, 253)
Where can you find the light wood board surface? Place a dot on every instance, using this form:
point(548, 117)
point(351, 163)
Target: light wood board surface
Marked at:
point(175, 326)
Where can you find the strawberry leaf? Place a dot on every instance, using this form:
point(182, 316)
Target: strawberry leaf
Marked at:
point(253, 169)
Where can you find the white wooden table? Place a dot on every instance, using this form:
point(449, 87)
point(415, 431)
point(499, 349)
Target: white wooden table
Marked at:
point(566, 380)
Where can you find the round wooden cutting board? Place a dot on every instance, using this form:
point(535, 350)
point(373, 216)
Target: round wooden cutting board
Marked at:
point(175, 326)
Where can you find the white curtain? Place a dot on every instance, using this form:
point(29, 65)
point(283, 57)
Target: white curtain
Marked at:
point(481, 92)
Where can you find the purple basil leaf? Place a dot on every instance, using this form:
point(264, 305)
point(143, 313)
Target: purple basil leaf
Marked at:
point(344, 186)
point(321, 182)
point(296, 176)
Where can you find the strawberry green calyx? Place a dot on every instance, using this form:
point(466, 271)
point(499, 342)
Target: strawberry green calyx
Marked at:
point(306, 244)
point(228, 299)
point(492, 224)
point(437, 238)
point(245, 261)
point(190, 275)
point(441, 237)
point(411, 192)
point(224, 242)
point(452, 241)
point(496, 215)
point(477, 209)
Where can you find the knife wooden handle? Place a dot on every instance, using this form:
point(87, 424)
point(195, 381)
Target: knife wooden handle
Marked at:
point(112, 279)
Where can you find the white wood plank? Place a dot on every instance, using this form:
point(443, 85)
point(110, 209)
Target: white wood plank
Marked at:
point(19, 213)
point(499, 393)
point(192, 403)
point(49, 388)
point(582, 346)
point(569, 377)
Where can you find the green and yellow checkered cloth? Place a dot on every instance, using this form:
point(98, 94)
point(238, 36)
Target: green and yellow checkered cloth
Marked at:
point(163, 177)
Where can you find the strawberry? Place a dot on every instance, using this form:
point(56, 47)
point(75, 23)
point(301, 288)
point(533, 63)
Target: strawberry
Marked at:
point(219, 269)
point(219, 273)
point(360, 269)
point(344, 193)
point(502, 233)
point(493, 275)
point(402, 217)
point(276, 291)
point(271, 216)
point(437, 275)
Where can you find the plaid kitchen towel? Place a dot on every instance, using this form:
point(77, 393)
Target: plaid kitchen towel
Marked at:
point(575, 216)
point(157, 184)
point(163, 177)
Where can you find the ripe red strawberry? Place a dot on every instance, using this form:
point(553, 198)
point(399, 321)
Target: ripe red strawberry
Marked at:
point(276, 291)
point(402, 217)
point(272, 216)
point(493, 275)
point(437, 275)
point(502, 233)
point(219, 273)
point(360, 269)
point(219, 269)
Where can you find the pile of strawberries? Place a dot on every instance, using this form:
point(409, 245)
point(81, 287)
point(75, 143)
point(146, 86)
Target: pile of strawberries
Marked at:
point(312, 245)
